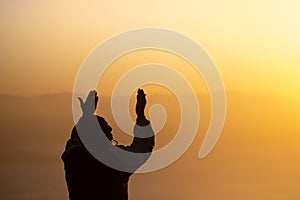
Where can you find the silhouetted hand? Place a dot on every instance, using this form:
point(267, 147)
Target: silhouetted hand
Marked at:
point(89, 106)
point(140, 108)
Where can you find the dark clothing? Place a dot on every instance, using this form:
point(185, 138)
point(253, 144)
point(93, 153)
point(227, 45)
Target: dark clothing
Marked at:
point(88, 179)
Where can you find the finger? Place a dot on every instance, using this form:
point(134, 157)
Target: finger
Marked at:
point(80, 101)
point(92, 93)
point(91, 96)
point(96, 100)
point(141, 92)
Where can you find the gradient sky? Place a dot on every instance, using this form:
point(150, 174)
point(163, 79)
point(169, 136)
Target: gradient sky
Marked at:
point(255, 44)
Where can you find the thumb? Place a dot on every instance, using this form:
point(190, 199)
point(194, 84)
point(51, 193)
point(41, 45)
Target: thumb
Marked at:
point(80, 101)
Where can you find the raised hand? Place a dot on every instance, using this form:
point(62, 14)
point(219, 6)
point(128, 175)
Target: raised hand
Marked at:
point(140, 103)
point(140, 108)
point(89, 106)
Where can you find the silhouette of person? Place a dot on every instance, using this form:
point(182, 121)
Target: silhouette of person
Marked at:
point(86, 177)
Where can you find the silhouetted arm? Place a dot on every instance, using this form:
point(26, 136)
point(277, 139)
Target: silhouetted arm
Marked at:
point(142, 144)
point(143, 141)
point(88, 108)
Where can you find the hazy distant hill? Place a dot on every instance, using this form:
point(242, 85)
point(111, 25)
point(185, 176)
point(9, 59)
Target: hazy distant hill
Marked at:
point(259, 145)
point(45, 121)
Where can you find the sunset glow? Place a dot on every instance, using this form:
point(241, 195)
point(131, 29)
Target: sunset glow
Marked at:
point(254, 44)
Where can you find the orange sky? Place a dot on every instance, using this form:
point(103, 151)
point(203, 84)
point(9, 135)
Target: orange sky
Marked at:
point(255, 44)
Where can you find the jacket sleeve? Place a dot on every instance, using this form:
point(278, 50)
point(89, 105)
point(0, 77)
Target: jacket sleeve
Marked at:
point(124, 158)
point(141, 146)
point(143, 141)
